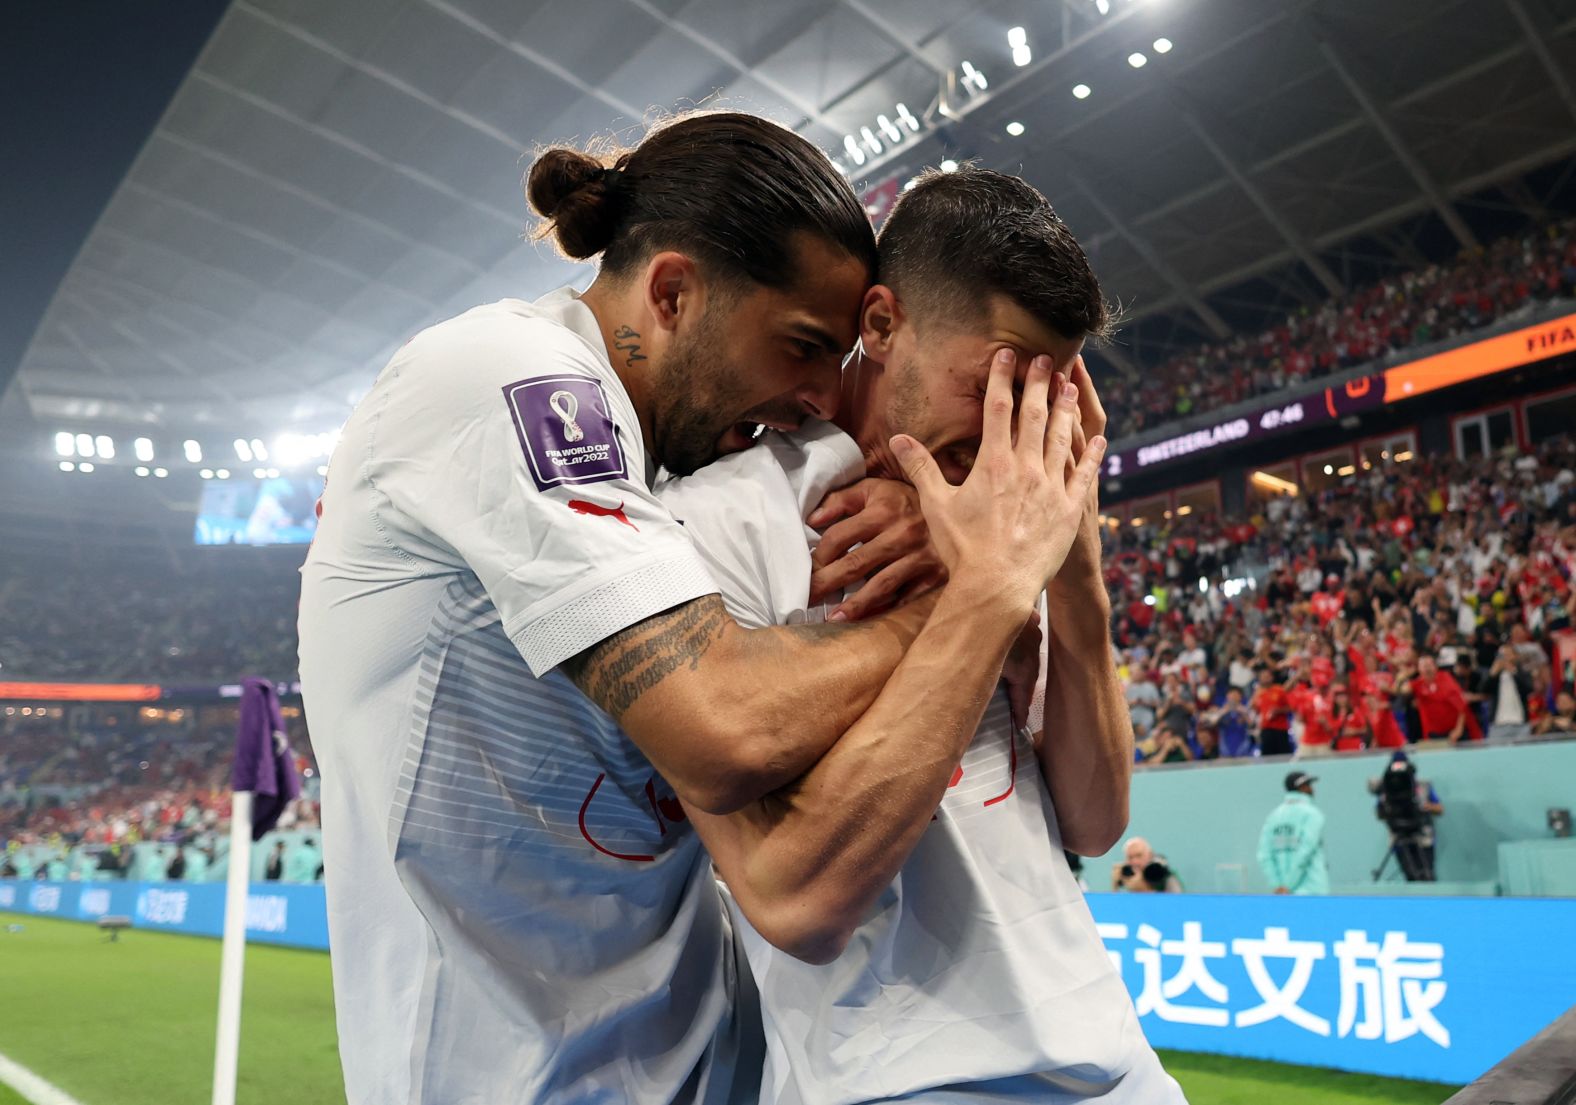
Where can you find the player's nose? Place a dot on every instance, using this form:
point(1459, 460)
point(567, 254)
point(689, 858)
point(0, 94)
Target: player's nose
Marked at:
point(819, 395)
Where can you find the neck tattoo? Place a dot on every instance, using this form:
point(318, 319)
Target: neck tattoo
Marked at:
point(627, 342)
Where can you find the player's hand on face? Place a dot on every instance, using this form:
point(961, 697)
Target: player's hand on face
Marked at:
point(1009, 526)
point(894, 556)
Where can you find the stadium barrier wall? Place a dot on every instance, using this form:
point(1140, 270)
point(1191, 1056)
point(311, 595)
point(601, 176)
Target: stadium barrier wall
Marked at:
point(1205, 819)
point(1438, 989)
point(276, 913)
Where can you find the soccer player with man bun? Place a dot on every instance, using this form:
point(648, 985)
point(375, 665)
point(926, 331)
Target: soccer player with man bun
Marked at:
point(517, 668)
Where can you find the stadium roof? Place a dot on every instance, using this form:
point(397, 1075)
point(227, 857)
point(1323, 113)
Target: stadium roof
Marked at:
point(329, 178)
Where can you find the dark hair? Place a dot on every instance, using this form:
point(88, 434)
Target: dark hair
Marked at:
point(726, 188)
point(954, 239)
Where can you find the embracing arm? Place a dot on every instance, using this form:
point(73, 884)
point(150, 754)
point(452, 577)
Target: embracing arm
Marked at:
point(719, 709)
point(806, 863)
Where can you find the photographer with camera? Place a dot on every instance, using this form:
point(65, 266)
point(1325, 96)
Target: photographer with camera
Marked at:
point(1291, 845)
point(1144, 872)
point(1407, 805)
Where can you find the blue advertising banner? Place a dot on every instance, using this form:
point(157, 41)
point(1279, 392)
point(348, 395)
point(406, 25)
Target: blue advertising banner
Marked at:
point(1432, 988)
point(276, 913)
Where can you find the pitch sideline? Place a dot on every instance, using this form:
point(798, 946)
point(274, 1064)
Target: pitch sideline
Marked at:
point(31, 1086)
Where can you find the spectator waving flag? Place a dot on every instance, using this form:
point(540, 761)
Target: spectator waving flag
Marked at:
point(263, 763)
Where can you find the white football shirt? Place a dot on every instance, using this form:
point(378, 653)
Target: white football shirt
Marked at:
point(978, 975)
point(518, 909)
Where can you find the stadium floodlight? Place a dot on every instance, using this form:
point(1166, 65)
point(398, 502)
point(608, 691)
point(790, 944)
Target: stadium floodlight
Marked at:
point(1103, 6)
point(1016, 37)
point(65, 444)
point(67, 466)
point(1184, 511)
point(85, 466)
point(909, 187)
point(243, 450)
point(160, 473)
point(143, 448)
point(872, 143)
point(1021, 56)
point(273, 473)
point(1137, 60)
point(223, 474)
point(1162, 45)
point(1329, 469)
point(193, 451)
point(949, 166)
point(1081, 91)
point(889, 128)
point(106, 446)
point(206, 473)
point(85, 445)
point(141, 470)
point(906, 117)
point(1015, 128)
point(973, 78)
point(259, 450)
point(260, 473)
point(851, 146)
point(1402, 458)
point(1346, 470)
point(322, 470)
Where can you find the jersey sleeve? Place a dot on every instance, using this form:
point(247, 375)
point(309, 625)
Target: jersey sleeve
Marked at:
point(502, 446)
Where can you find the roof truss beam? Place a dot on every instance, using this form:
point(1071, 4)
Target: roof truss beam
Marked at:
point(1379, 118)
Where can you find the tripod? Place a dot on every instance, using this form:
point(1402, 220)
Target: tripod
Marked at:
point(1414, 858)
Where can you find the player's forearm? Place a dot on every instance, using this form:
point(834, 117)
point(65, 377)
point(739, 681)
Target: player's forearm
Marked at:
point(841, 668)
point(1087, 752)
point(807, 863)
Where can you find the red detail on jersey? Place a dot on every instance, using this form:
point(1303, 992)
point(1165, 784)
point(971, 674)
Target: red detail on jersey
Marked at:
point(671, 809)
point(651, 797)
point(957, 777)
point(591, 840)
point(1012, 774)
point(580, 506)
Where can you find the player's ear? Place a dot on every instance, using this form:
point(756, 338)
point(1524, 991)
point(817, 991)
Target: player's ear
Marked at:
point(673, 290)
point(880, 318)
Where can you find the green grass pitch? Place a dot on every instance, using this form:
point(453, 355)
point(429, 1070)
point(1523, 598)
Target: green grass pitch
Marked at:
point(132, 1023)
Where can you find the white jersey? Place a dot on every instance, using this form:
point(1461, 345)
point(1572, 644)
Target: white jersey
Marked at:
point(518, 909)
point(978, 974)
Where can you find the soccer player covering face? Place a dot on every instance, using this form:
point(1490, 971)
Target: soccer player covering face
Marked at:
point(518, 669)
point(906, 907)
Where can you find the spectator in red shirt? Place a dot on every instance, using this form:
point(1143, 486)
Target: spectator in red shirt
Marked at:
point(1441, 705)
point(1273, 705)
point(1316, 709)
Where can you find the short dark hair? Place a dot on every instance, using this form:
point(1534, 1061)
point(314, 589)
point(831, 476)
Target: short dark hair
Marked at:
point(727, 188)
point(955, 239)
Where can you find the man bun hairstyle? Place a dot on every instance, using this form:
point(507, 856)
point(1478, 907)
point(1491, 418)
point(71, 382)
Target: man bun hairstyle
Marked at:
point(955, 239)
point(575, 192)
point(728, 189)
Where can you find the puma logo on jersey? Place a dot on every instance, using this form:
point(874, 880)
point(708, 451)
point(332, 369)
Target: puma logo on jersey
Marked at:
point(580, 506)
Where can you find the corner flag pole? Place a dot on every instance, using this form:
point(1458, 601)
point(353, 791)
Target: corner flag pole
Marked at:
point(262, 783)
point(233, 958)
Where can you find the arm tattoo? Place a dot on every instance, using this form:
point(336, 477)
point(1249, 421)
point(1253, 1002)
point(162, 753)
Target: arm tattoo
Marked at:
point(627, 341)
point(616, 672)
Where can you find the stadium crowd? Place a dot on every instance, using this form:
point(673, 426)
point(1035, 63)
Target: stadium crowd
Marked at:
point(1432, 304)
point(1431, 599)
point(86, 800)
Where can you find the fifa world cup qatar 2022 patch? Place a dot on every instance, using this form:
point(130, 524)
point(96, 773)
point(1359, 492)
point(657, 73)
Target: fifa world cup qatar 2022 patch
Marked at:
point(566, 430)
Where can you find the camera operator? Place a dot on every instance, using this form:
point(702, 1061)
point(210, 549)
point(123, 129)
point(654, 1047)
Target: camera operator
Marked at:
point(1144, 872)
point(1408, 805)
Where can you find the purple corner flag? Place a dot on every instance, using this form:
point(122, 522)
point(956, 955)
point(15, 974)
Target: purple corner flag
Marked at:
point(263, 764)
